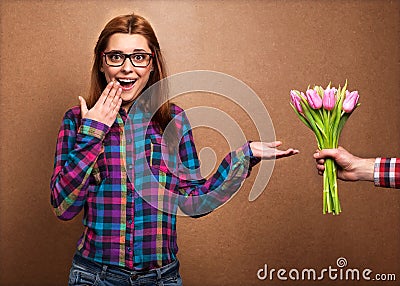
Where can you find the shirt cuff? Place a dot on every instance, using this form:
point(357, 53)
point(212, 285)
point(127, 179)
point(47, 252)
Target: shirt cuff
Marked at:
point(249, 153)
point(377, 171)
point(93, 128)
point(387, 172)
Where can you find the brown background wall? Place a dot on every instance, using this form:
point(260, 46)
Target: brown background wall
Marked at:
point(273, 46)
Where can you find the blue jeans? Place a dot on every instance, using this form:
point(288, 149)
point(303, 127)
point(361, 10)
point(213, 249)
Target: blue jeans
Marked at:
point(87, 272)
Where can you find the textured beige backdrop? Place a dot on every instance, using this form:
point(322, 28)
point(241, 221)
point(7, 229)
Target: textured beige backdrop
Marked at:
point(273, 46)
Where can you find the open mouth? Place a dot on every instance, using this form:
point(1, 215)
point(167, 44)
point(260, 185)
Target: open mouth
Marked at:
point(126, 84)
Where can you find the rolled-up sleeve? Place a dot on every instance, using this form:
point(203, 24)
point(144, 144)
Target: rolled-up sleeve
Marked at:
point(387, 172)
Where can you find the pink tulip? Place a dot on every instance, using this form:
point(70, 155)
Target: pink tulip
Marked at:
point(295, 98)
point(350, 101)
point(329, 99)
point(313, 98)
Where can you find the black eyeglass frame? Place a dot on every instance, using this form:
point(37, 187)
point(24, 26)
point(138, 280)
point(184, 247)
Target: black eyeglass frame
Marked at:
point(127, 56)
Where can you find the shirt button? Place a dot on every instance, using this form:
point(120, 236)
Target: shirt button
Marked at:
point(129, 141)
point(129, 249)
point(130, 166)
point(130, 221)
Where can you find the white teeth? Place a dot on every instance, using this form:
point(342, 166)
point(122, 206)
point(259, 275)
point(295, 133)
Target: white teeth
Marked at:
point(126, 80)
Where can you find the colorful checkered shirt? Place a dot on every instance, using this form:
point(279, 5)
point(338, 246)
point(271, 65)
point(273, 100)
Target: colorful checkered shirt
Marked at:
point(130, 214)
point(387, 172)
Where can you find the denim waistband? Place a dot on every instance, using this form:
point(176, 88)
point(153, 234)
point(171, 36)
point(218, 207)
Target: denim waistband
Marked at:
point(158, 273)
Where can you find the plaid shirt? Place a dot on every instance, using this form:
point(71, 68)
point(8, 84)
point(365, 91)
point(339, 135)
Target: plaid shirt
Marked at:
point(129, 191)
point(387, 172)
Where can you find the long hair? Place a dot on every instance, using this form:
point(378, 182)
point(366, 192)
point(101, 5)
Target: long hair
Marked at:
point(131, 24)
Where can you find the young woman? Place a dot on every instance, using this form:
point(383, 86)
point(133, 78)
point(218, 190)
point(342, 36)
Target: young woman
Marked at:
point(127, 239)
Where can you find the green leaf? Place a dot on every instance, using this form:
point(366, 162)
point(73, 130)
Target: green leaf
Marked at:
point(310, 119)
point(300, 116)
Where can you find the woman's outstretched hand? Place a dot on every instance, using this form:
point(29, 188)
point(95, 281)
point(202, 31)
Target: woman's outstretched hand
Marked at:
point(107, 106)
point(268, 151)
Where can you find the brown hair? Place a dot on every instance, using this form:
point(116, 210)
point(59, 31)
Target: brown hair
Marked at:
point(131, 24)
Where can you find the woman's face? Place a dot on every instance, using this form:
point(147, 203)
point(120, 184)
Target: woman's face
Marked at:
point(132, 79)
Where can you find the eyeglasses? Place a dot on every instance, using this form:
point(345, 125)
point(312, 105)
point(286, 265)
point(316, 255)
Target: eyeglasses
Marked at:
point(116, 59)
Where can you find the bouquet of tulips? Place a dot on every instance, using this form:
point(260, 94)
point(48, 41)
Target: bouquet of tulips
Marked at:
point(325, 112)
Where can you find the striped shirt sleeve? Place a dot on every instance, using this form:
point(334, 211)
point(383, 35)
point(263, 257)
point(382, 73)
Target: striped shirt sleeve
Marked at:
point(387, 172)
